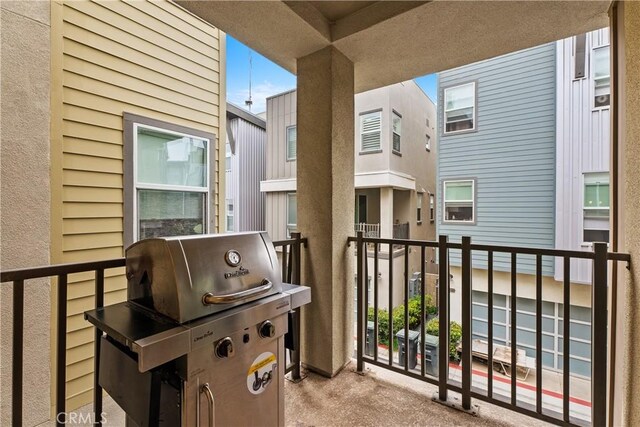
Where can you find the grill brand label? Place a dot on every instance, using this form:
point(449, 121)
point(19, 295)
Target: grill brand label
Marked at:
point(261, 372)
point(239, 272)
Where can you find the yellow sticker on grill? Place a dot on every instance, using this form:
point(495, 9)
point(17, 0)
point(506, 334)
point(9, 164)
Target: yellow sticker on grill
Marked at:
point(261, 372)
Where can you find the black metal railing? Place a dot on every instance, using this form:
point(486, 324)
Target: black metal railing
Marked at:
point(291, 273)
point(61, 272)
point(508, 256)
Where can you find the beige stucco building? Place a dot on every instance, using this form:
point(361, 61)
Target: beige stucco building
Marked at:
point(395, 152)
point(85, 86)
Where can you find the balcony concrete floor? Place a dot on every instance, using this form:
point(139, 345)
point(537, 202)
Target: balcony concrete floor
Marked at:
point(381, 397)
point(378, 398)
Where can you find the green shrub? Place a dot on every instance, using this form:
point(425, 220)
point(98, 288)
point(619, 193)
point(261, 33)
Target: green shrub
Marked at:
point(455, 335)
point(383, 324)
point(398, 318)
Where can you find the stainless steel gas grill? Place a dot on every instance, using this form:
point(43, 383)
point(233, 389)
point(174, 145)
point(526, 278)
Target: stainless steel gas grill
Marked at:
point(200, 340)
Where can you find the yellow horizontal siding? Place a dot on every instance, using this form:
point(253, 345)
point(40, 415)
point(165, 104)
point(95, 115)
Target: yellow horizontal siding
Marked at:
point(78, 70)
point(79, 353)
point(92, 210)
point(92, 254)
point(76, 323)
point(110, 91)
point(81, 242)
point(80, 305)
point(80, 368)
point(90, 275)
point(92, 117)
point(92, 148)
point(79, 337)
point(148, 58)
point(128, 41)
point(90, 194)
point(124, 15)
point(176, 17)
point(86, 288)
point(104, 104)
point(91, 163)
point(92, 179)
point(100, 63)
point(80, 384)
point(90, 132)
point(83, 44)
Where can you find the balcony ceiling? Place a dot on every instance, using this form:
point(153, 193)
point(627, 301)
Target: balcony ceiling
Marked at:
point(392, 41)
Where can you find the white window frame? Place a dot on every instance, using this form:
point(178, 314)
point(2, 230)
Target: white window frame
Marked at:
point(291, 226)
point(419, 201)
point(432, 207)
point(427, 145)
point(230, 213)
point(585, 175)
point(593, 74)
point(227, 157)
point(473, 201)
point(293, 128)
point(474, 107)
point(206, 190)
point(378, 131)
point(395, 115)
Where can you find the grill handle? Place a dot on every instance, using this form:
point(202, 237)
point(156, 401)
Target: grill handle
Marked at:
point(209, 298)
point(207, 391)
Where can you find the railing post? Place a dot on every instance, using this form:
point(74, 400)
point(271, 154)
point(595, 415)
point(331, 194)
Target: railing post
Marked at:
point(443, 316)
point(599, 336)
point(360, 303)
point(466, 323)
point(97, 390)
point(61, 351)
point(296, 278)
point(18, 342)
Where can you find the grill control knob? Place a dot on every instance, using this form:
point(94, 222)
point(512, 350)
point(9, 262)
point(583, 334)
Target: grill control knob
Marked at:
point(267, 330)
point(224, 348)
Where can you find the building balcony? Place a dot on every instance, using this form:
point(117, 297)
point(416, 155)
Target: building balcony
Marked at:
point(399, 387)
point(401, 231)
point(369, 230)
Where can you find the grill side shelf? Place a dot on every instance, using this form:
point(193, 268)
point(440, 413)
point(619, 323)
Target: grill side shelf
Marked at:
point(154, 339)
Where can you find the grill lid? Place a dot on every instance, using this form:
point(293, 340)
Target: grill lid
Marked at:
point(185, 278)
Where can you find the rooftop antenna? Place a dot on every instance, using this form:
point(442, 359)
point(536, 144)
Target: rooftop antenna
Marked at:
point(249, 102)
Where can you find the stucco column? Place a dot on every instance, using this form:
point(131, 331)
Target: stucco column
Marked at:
point(325, 126)
point(627, 388)
point(386, 212)
point(25, 197)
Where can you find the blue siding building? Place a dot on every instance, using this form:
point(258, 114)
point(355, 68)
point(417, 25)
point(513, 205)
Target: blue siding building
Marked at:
point(507, 153)
point(521, 163)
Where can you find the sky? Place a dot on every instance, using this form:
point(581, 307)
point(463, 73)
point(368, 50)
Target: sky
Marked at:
point(268, 79)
